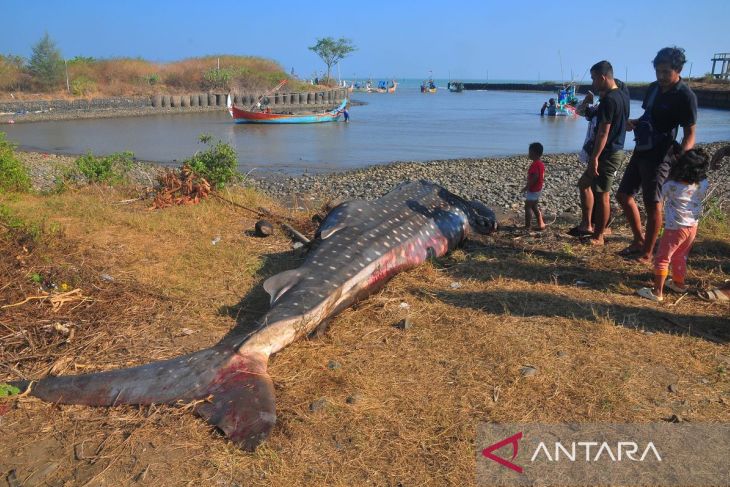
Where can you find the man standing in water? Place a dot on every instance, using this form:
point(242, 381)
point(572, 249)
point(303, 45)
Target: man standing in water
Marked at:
point(668, 103)
point(607, 153)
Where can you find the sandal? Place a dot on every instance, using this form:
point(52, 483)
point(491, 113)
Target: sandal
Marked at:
point(648, 293)
point(670, 284)
point(716, 294)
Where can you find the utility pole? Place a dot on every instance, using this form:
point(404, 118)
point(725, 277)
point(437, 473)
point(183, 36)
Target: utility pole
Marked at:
point(68, 87)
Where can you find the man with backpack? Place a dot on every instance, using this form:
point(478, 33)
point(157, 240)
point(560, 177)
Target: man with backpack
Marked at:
point(668, 103)
point(605, 150)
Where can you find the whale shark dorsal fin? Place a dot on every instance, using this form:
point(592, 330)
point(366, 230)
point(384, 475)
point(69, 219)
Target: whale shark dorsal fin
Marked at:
point(277, 285)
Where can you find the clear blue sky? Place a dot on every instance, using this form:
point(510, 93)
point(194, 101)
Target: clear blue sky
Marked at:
point(508, 39)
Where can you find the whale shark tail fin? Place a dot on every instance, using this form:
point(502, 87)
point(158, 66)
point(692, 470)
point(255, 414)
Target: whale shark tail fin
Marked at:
point(235, 391)
point(242, 401)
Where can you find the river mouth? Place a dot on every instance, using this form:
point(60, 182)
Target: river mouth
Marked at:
point(406, 126)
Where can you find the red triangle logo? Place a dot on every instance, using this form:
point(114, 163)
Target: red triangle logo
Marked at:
point(514, 441)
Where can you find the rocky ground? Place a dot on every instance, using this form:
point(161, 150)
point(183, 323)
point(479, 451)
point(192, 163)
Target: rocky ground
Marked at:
point(495, 181)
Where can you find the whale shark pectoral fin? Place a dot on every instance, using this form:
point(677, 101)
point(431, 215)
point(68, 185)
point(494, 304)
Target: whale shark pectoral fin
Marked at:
point(325, 233)
point(242, 405)
point(280, 283)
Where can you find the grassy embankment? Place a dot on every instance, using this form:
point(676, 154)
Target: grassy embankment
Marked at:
point(89, 77)
point(399, 406)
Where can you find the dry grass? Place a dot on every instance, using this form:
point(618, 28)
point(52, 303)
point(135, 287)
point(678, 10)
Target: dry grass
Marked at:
point(130, 77)
point(403, 405)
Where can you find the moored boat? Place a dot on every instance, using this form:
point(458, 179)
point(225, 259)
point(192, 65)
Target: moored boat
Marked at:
point(384, 87)
point(428, 86)
point(455, 86)
point(266, 116)
point(367, 87)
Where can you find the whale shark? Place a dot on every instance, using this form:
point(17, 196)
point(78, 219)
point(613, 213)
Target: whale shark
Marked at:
point(358, 246)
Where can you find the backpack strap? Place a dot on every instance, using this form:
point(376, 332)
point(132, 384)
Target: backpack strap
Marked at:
point(650, 100)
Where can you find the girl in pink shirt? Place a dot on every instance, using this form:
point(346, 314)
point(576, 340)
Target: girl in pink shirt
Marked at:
point(683, 193)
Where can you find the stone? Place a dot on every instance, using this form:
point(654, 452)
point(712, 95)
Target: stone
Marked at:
point(318, 405)
point(354, 398)
point(528, 371)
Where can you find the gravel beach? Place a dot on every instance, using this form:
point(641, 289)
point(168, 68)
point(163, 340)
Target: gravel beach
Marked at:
point(495, 181)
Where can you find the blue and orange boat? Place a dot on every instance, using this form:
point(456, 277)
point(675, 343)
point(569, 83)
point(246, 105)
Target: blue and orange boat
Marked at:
point(266, 116)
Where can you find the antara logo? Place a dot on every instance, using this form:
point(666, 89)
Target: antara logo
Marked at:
point(622, 451)
point(514, 441)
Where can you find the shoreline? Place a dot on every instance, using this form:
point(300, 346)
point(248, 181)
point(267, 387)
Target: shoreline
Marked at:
point(497, 181)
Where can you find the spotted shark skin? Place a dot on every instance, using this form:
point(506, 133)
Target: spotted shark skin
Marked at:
point(358, 247)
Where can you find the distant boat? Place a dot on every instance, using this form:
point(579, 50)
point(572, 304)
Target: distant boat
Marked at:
point(245, 116)
point(367, 87)
point(428, 86)
point(565, 104)
point(455, 86)
point(383, 87)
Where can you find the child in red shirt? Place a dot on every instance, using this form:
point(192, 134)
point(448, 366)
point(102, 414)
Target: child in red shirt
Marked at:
point(533, 186)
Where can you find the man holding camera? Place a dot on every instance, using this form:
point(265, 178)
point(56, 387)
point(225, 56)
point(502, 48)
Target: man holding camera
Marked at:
point(668, 103)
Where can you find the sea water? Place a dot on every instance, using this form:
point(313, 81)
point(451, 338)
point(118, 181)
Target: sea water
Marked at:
point(405, 126)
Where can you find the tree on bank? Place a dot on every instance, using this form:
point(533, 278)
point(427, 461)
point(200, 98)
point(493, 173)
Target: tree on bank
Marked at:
point(332, 51)
point(46, 64)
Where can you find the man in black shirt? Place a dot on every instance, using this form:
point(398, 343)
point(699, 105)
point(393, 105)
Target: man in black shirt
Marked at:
point(607, 151)
point(668, 103)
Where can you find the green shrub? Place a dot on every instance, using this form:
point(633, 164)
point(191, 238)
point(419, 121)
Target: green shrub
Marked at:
point(152, 79)
point(217, 163)
point(82, 85)
point(111, 169)
point(217, 78)
point(13, 174)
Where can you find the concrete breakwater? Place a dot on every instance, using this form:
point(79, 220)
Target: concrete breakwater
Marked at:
point(35, 110)
point(705, 98)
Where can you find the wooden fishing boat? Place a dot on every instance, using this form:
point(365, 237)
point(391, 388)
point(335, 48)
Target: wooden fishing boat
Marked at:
point(428, 86)
point(367, 87)
point(264, 116)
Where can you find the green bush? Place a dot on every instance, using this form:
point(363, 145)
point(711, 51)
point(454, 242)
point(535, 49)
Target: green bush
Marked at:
point(152, 79)
point(13, 174)
point(217, 163)
point(111, 169)
point(82, 85)
point(217, 78)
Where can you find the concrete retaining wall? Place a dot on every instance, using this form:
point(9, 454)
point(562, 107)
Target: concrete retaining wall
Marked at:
point(705, 98)
point(278, 101)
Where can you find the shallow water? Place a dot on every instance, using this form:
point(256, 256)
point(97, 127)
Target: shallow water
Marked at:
point(406, 126)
